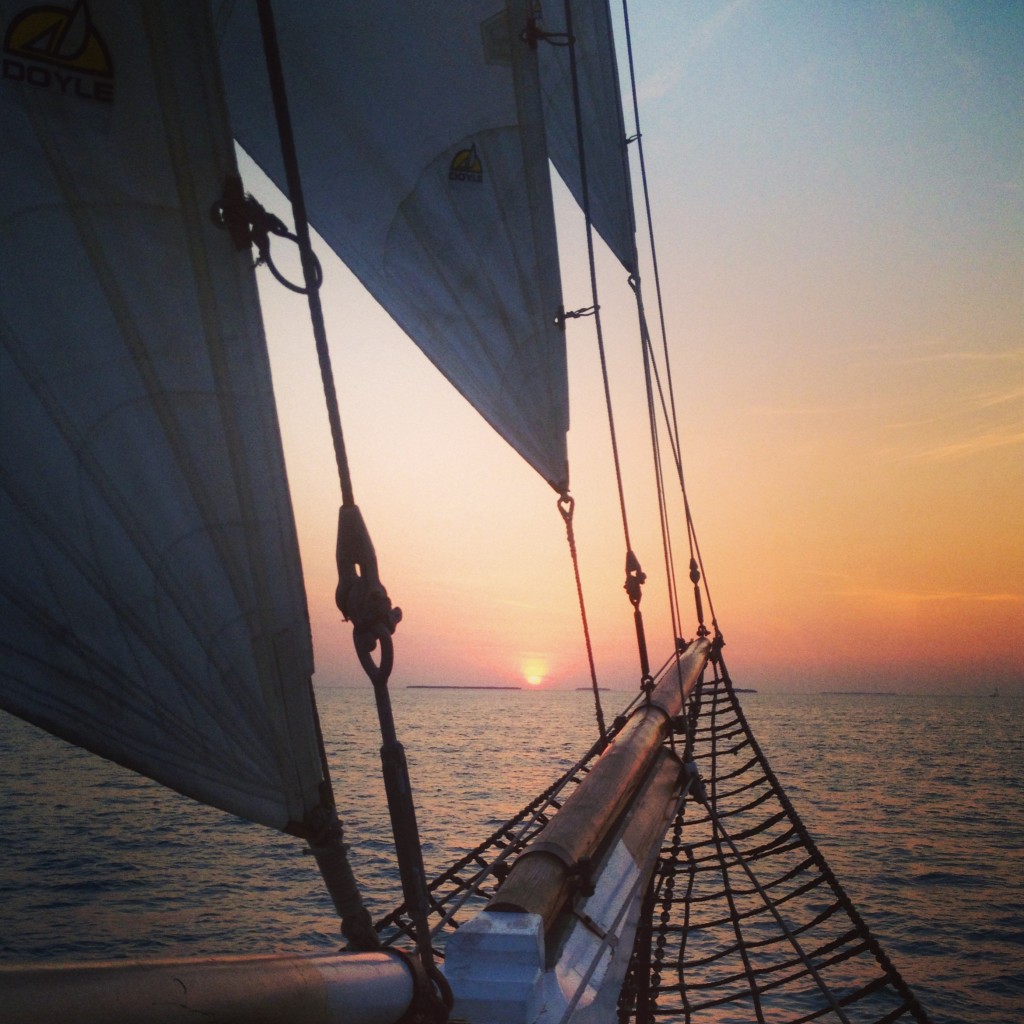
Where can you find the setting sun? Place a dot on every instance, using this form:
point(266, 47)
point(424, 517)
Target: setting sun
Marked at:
point(534, 670)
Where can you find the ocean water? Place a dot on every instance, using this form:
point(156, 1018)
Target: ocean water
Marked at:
point(917, 803)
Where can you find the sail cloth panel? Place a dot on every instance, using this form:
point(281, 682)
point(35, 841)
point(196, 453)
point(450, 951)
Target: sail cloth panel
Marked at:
point(424, 166)
point(609, 192)
point(151, 600)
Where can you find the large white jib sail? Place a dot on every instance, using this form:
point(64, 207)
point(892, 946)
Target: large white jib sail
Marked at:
point(420, 135)
point(151, 600)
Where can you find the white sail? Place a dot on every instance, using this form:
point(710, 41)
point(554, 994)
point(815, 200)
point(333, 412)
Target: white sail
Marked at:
point(420, 137)
point(609, 191)
point(151, 601)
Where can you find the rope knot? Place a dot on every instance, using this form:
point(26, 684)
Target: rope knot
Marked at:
point(581, 877)
point(566, 506)
point(250, 224)
point(361, 596)
point(692, 775)
point(717, 643)
point(324, 826)
point(635, 578)
point(573, 314)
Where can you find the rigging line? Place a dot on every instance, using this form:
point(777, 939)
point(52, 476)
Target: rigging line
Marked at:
point(635, 576)
point(819, 860)
point(691, 532)
point(727, 889)
point(659, 476)
point(566, 507)
point(703, 574)
point(673, 423)
point(674, 429)
point(696, 559)
point(666, 541)
point(310, 266)
point(323, 829)
point(585, 196)
point(677, 458)
point(718, 827)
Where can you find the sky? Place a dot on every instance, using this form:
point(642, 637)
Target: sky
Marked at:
point(838, 201)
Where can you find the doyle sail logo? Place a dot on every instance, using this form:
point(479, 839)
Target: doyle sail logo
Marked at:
point(59, 49)
point(466, 166)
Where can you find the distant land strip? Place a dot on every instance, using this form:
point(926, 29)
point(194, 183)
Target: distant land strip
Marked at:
point(455, 686)
point(861, 693)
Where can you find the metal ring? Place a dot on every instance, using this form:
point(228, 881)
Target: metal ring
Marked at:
point(378, 673)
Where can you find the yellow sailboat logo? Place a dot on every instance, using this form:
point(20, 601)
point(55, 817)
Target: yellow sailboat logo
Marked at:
point(59, 48)
point(466, 166)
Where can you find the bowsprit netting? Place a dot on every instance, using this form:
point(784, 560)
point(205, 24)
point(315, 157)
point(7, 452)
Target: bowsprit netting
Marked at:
point(746, 921)
point(469, 884)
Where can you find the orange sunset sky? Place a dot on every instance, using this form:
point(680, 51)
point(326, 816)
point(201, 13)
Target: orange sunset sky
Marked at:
point(838, 194)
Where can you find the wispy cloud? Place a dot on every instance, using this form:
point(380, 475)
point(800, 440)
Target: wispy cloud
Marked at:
point(1005, 356)
point(978, 411)
point(803, 411)
point(833, 584)
point(702, 38)
point(984, 438)
point(1000, 397)
point(881, 594)
point(969, 446)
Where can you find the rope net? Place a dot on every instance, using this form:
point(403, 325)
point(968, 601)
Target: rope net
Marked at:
point(469, 884)
point(745, 920)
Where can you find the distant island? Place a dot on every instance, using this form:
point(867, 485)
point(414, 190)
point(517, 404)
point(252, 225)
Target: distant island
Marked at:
point(860, 693)
point(454, 686)
point(601, 688)
point(743, 689)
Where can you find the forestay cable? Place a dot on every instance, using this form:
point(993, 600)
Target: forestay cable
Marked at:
point(361, 597)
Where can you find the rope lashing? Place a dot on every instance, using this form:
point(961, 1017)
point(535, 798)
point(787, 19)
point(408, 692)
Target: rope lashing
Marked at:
point(574, 314)
point(362, 599)
point(534, 34)
point(702, 630)
point(635, 579)
point(361, 596)
point(251, 225)
point(325, 836)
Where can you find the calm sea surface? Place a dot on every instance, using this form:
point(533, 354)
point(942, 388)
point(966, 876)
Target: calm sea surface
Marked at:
point(917, 802)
